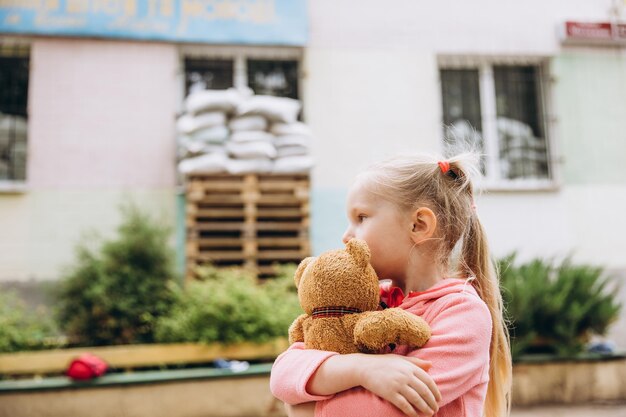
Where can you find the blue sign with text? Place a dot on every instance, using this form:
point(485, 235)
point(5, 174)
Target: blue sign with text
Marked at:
point(266, 22)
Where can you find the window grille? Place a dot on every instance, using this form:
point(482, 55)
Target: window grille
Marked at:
point(274, 78)
point(499, 109)
point(14, 72)
point(522, 144)
point(215, 74)
point(266, 71)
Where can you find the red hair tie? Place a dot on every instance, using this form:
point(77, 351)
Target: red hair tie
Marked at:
point(445, 169)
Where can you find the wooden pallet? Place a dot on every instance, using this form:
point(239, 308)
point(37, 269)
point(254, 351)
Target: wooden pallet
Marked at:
point(252, 220)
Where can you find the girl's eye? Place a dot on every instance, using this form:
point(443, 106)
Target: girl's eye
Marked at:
point(361, 217)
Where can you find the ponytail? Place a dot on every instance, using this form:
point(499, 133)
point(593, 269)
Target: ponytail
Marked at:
point(478, 263)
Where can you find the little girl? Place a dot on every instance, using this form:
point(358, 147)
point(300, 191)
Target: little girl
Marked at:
point(418, 217)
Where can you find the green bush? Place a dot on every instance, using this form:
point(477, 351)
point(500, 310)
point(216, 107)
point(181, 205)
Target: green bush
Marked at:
point(22, 329)
point(230, 306)
point(115, 293)
point(555, 308)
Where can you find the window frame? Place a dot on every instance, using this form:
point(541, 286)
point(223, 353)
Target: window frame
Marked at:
point(240, 56)
point(23, 45)
point(487, 90)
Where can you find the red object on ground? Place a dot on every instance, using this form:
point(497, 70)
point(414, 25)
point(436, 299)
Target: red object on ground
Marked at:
point(87, 366)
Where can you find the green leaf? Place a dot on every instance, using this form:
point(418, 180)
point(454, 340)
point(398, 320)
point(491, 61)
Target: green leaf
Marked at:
point(554, 307)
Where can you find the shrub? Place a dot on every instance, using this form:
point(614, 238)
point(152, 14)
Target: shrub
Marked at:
point(21, 329)
point(230, 306)
point(555, 308)
point(114, 295)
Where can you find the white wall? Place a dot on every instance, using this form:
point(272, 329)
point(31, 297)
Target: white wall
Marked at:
point(371, 89)
point(101, 127)
point(479, 26)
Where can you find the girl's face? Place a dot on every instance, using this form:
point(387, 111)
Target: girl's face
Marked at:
point(384, 227)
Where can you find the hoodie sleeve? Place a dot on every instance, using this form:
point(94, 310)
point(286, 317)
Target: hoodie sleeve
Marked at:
point(458, 350)
point(291, 373)
point(459, 346)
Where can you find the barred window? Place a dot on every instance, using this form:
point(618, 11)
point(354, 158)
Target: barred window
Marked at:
point(14, 71)
point(500, 109)
point(275, 77)
point(202, 74)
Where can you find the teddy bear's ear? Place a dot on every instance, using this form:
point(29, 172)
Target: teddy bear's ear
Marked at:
point(298, 275)
point(359, 251)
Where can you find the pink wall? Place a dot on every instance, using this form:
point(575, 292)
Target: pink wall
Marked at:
point(101, 114)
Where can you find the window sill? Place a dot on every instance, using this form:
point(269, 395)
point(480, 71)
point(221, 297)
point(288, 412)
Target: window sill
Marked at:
point(519, 186)
point(13, 187)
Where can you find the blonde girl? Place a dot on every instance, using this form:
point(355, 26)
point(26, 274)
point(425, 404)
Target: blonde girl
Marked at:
point(418, 216)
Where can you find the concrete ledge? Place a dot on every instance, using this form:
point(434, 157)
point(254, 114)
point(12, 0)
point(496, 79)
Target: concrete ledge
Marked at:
point(133, 378)
point(205, 392)
point(569, 381)
point(185, 393)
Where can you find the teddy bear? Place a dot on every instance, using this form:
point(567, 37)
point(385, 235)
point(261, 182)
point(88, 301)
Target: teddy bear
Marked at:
point(340, 295)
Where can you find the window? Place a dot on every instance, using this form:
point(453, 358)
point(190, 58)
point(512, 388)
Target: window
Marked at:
point(215, 74)
point(274, 78)
point(500, 109)
point(14, 69)
point(266, 71)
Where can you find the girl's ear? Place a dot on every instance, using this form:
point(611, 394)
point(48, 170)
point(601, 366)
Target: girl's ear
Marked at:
point(359, 250)
point(424, 224)
point(298, 275)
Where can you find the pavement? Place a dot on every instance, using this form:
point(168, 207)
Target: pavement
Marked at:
point(583, 410)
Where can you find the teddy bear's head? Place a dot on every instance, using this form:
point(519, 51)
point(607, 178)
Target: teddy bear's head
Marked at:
point(339, 278)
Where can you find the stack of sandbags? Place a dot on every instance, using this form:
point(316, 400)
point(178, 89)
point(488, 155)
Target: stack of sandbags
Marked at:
point(203, 130)
point(237, 132)
point(250, 147)
point(293, 147)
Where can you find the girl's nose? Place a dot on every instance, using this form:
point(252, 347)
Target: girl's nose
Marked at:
point(347, 235)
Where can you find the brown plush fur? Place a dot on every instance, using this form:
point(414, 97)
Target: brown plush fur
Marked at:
point(346, 278)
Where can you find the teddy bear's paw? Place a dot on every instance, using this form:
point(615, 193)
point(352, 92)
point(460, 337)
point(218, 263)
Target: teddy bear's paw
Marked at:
point(394, 326)
point(413, 331)
point(373, 333)
point(296, 330)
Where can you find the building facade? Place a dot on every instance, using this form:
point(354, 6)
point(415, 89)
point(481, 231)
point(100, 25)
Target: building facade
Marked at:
point(89, 120)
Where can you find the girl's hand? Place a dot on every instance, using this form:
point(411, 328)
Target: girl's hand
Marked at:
point(300, 410)
point(401, 380)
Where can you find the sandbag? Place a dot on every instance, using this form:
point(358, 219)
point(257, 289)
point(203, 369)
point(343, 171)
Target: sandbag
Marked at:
point(296, 128)
point(251, 136)
point(246, 166)
point(215, 134)
point(285, 151)
point(206, 164)
point(190, 123)
point(292, 140)
point(275, 109)
point(252, 122)
point(251, 150)
point(293, 165)
point(207, 100)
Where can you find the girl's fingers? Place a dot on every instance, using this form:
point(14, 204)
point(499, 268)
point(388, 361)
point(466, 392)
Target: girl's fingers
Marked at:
point(425, 365)
point(428, 381)
point(425, 394)
point(418, 401)
point(404, 406)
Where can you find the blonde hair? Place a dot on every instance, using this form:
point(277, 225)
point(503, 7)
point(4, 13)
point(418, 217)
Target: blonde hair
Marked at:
point(414, 181)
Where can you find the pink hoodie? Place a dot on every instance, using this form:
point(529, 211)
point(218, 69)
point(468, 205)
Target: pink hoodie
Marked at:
point(458, 349)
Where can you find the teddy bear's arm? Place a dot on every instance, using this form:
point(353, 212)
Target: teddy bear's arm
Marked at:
point(378, 329)
point(296, 330)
